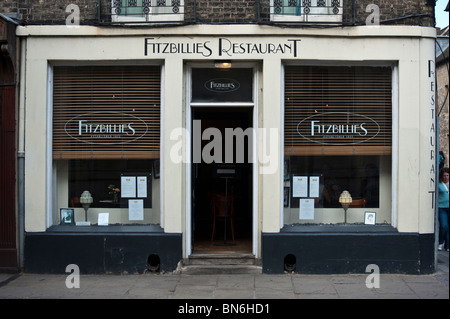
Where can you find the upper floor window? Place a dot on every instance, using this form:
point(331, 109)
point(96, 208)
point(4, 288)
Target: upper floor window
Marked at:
point(147, 10)
point(318, 11)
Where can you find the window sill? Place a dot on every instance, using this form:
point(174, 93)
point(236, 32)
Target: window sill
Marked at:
point(306, 19)
point(338, 228)
point(163, 18)
point(95, 229)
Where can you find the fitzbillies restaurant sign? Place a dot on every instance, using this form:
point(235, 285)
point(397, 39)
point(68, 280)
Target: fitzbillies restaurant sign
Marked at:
point(221, 47)
point(338, 128)
point(106, 128)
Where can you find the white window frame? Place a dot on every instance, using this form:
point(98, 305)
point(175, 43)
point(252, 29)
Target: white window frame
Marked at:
point(316, 14)
point(395, 132)
point(52, 174)
point(153, 14)
point(189, 106)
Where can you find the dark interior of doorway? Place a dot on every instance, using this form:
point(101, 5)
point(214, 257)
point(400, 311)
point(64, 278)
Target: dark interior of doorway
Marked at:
point(205, 182)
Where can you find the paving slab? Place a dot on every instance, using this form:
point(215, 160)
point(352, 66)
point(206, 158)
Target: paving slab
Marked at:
point(314, 285)
point(180, 286)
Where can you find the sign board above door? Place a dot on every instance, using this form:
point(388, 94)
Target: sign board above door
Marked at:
point(222, 85)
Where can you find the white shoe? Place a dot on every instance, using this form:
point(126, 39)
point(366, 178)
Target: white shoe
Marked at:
point(441, 247)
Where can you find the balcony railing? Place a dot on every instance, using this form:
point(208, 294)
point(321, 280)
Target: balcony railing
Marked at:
point(338, 12)
point(307, 11)
point(141, 11)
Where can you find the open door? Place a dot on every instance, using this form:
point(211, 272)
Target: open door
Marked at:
point(210, 178)
point(221, 119)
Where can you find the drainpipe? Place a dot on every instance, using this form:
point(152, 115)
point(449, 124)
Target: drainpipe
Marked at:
point(99, 11)
point(353, 12)
point(195, 11)
point(21, 152)
point(21, 205)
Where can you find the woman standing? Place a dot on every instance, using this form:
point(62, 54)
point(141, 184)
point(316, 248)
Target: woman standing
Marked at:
point(443, 208)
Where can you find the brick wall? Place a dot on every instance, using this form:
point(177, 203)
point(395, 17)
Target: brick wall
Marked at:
point(215, 11)
point(8, 7)
point(397, 9)
point(220, 11)
point(442, 88)
point(48, 11)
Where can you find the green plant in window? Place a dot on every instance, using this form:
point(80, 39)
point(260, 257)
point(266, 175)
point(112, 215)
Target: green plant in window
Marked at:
point(114, 191)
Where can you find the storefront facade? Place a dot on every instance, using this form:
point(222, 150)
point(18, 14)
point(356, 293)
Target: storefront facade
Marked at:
point(149, 123)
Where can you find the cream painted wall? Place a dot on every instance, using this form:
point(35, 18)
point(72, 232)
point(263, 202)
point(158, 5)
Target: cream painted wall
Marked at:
point(174, 184)
point(428, 142)
point(270, 173)
point(408, 152)
point(410, 47)
point(35, 184)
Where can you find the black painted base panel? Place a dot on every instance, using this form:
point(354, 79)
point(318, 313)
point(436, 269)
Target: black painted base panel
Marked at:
point(101, 252)
point(343, 253)
point(301, 252)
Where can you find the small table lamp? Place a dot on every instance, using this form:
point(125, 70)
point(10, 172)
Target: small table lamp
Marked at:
point(86, 201)
point(345, 199)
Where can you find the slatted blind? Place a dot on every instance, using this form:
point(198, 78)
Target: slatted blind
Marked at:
point(106, 112)
point(348, 109)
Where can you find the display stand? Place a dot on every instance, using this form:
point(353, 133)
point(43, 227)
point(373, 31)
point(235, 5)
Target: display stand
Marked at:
point(225, 243)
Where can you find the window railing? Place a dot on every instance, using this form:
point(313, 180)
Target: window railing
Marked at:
point(146, 11)
point(306, 11)
point(339, 12)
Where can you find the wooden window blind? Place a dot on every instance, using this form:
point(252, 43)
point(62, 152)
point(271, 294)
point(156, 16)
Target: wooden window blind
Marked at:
point(106, 112)
point(338, 110)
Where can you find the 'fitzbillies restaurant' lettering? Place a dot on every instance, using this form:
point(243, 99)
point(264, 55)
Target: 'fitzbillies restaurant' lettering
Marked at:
point(152, 47)
point(229, 48)
point(223, 47)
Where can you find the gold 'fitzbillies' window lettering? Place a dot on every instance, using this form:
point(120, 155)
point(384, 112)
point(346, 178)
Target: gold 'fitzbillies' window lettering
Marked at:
point(337, 138)
point(106, 142)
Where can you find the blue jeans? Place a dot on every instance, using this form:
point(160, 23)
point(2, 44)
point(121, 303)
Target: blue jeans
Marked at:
point(443, 227)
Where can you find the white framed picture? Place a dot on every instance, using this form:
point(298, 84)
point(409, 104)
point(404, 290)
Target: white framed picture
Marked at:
point(67, 216)
point(370, 218)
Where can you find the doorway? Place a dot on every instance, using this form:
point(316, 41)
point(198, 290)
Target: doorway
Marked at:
point(8, 231)
point(221, 130)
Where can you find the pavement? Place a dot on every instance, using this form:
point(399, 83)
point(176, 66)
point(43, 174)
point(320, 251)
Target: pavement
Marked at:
point(176, 286)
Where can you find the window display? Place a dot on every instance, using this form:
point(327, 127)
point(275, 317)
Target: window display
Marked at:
point(338, 144)
point(106, 137)
point(325, 180)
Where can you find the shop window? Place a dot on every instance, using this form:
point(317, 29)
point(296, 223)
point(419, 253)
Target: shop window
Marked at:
point(337, 137)
point(105, 178)
point(147, 10)
point(106, 140)
point(326, 11)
